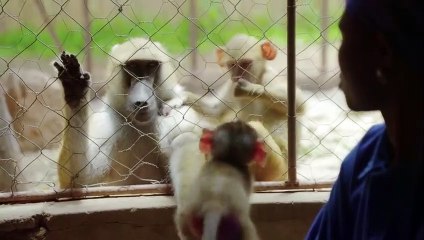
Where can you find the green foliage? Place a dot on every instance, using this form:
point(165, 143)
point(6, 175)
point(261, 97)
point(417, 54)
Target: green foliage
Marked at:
point(214, 29)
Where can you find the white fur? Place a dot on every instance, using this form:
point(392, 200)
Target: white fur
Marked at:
point(216, 190)
point(109, 144)
point(141, 48)
point(264, 100)
point(10, 151)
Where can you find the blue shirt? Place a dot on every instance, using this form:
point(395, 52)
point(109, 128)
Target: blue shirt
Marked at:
point(372, 199)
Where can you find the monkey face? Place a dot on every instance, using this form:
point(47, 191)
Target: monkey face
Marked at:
point(140, 70)
point(140, 83)
point(241, 69)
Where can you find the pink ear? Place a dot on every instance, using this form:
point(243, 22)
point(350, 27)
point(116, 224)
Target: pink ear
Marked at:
point(219, 57)
point(205, 144)
point(260, 154)
point(268, 51)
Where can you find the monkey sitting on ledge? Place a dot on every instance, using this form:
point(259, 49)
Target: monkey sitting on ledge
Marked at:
point(219, 207)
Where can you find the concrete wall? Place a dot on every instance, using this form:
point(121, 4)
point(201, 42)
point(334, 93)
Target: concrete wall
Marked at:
point(276, 215)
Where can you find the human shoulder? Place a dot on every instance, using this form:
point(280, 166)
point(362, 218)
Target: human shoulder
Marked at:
point(360, 158)
point(375, 131)
point(370, 142)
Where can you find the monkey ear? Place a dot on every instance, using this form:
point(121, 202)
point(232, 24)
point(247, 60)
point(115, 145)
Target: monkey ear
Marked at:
point(269, 52)
point(220, 56)
point(205, 144)
point(260, 154)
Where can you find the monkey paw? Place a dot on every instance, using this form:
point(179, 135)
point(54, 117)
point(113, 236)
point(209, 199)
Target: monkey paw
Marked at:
point(168, 106)
point(75, 82)
point(246, 88)
point(242, 88)
point(165, 110)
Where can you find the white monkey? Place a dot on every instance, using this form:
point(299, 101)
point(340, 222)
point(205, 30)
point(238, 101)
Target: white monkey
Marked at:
point(246, 58)
point(256, 93)
point(10, 151)
point(219, 205)
point(117, 143)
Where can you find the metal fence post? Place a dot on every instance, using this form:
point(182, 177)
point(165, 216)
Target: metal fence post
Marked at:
point(87, 35)
point(324, 35)
point(291, 86)
point(193, 34)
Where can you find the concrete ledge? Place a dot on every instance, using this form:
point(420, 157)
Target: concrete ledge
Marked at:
point(276, 215)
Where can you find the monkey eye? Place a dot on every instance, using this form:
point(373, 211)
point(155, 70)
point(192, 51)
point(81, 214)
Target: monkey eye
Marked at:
point(152, 64)
point(245, 64)
point(129, 70)
point(231, 65)
point(129, 65)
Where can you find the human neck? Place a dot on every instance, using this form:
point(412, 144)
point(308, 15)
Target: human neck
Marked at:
point(391, 121)
point(403, 128)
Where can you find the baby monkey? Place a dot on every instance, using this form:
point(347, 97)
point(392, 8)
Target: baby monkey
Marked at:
point(220, 208)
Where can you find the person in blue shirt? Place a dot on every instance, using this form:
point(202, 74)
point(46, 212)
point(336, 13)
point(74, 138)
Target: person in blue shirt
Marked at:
point(380, 187)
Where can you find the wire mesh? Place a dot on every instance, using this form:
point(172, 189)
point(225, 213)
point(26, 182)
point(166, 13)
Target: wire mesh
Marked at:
point(34, 112)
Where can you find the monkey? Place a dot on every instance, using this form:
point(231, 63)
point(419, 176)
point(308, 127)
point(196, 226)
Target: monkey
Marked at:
point(116, 143)
point(10, 152)
point(33, 98)
point(187, 160)
point(256, 94)
point(246, 58)
point(219, 204)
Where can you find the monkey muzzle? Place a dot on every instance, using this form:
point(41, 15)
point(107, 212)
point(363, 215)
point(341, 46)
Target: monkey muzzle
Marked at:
point(142, 112)
point(236, 78)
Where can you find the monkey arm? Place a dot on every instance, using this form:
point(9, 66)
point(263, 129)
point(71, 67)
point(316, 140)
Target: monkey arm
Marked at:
point(184, 164)
point(249, 229)
point(74, 144)
point(273, 95)
point(276, 165)
point(214, 105)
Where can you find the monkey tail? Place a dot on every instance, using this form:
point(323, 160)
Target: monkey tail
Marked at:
point(210, 225)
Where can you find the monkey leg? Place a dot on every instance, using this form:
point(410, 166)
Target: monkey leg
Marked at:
point(249, 229)
point(181, 225)
point(276, 165)
point(185, 164)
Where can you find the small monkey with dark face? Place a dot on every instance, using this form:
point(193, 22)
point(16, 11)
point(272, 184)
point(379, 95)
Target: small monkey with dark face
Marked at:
point(219, 207)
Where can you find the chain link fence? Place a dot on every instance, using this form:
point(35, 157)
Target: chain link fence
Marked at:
point(330, 129)
point(35, 32)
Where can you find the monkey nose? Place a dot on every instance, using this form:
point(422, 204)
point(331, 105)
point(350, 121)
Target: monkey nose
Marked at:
point(236, 78)
point(140, 104)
